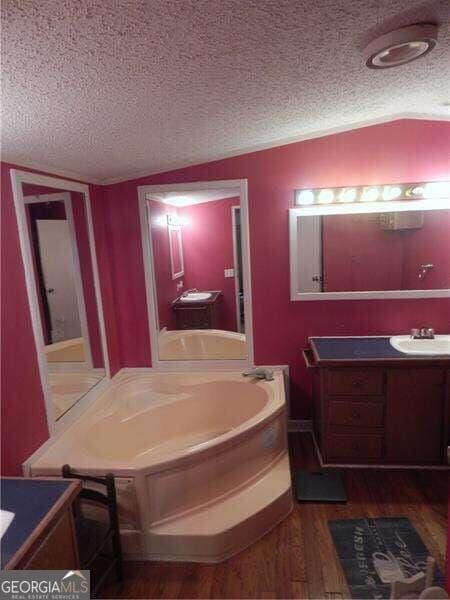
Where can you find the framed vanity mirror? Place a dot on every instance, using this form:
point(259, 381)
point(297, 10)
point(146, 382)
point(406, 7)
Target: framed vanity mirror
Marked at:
point(196, 258)
point(367, 249)
point(57, 244)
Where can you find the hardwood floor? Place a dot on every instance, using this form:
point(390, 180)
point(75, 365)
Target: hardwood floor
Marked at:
point(297, 559)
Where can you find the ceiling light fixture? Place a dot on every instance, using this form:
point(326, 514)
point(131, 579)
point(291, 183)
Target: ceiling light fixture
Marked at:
point(400, 46)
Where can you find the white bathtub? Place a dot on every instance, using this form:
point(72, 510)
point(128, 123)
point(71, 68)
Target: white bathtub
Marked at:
point(200, 460)
point(201, 344)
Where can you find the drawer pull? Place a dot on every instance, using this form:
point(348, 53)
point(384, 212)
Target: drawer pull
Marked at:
point(356, 415)
point(356, 383)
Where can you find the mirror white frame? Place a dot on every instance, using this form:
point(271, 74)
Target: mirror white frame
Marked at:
point(17, 179)
point(361, 208)
point(150, 282)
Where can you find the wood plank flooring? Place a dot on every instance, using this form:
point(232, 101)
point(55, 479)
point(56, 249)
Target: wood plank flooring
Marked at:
point(297, 559)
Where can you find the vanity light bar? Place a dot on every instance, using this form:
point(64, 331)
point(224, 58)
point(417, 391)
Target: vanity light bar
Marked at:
point(375, 193)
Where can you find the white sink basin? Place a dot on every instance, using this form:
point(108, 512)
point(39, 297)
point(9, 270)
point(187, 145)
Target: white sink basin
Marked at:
point(6, 518)
point(440, 345)
point(195, 296)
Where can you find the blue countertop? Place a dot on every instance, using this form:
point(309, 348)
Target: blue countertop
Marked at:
point(30, 500)
point(358, 348)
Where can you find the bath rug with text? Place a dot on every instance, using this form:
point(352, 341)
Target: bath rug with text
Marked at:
point(372, 551)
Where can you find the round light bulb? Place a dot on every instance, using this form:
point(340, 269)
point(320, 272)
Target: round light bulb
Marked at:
point(326, 196)
point(391, 192)
point(304, 197)
point(417, 190)
point(347, 195)
point(370, 194)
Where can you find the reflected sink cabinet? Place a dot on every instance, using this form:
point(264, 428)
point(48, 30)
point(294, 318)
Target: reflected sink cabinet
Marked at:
point(379, 409)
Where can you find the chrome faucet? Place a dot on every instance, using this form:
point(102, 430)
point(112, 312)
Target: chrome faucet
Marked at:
point(259, 373)
point(424, 333)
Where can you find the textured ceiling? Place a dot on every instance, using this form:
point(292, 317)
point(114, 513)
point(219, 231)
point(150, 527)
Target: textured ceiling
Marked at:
point(188, 198)
point(108, 89)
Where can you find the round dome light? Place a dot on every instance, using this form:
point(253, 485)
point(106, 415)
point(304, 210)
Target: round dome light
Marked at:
point(400, 46)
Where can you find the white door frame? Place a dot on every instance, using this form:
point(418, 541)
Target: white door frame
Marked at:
point(146, 191)
point(65, 197)
point(234, 210)
point(17, 179)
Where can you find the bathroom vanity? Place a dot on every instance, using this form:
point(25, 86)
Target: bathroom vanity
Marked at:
point(197, 310)
point(376, 405)
point(41, 533)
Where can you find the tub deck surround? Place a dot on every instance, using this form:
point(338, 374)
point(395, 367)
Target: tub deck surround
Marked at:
point(200, 460)
point(201, 344)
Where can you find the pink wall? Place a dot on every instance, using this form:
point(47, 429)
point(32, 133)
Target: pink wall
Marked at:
point(400, 151)
point(208, 250)
point(24, 426)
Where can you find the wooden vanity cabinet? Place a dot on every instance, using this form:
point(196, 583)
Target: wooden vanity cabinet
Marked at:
point(200, 314)
point(48, 542)
point(385, 415)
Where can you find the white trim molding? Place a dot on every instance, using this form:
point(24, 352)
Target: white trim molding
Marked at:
point(17, 179)
point(144, 193)
point(341, 209)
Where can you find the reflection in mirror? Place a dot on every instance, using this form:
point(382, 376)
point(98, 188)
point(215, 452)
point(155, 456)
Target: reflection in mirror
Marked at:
point(61, 259)
point(407, 250)
point(198, 278)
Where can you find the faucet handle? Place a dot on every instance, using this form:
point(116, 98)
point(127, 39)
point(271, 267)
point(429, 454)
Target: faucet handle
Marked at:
point(414, 332)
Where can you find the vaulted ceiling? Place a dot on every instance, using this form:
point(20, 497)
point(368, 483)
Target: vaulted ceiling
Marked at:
point(106, 90)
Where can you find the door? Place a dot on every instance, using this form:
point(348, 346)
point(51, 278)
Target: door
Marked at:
point(55, 248)
point(415, 415)
point(310, 276)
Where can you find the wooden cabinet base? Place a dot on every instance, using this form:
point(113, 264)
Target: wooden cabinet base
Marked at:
point(381, 415)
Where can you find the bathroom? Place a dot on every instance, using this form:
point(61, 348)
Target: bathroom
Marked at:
point(144, 230)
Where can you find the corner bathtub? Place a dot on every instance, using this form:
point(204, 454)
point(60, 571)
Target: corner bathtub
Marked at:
point(200, 461)
point(201, 344)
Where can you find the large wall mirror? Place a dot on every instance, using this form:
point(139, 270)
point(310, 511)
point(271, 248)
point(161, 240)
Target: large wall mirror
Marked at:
point(195, 243)
point(62, 282)
point(383, 250)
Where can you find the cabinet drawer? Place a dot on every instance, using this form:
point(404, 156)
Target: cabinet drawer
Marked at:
point(354, 382)
point(354, 414)
point(354, 447)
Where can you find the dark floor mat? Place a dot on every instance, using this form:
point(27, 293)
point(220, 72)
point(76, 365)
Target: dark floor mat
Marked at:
point(372, 550)
point(319, 486)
